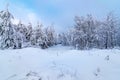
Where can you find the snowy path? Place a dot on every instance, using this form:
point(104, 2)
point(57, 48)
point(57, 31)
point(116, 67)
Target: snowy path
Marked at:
point(59, 63)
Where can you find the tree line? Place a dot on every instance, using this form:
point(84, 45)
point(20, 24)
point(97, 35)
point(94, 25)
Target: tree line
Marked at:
point(86, 33)
point(20, 35)
point(89, 33)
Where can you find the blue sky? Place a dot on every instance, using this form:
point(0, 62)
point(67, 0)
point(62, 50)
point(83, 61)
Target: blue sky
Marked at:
point(58, 12)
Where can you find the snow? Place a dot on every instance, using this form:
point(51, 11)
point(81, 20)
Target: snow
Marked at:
point(59, 63)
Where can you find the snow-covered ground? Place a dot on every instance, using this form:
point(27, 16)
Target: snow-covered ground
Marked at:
point(59, 63)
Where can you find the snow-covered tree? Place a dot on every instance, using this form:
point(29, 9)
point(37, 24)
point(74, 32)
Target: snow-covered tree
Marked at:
point(50, 34)
point(21, 28)
point(107, 32)
point(83, 32)
point(63, 38)
point(37, 35)
point(29, 32)
point(111, 25)
point(6, 30)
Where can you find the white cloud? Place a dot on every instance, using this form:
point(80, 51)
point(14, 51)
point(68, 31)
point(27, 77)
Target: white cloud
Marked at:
point(24, 14)
point(32, 18)
point(60, 12)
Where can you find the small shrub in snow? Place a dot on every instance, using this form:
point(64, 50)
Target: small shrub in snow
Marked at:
point(107, 57)
point(97, 72)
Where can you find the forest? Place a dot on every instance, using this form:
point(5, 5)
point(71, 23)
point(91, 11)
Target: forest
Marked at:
point(85, 33)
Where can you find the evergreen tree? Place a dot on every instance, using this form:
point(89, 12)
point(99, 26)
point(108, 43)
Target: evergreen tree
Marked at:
point(7, 30)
